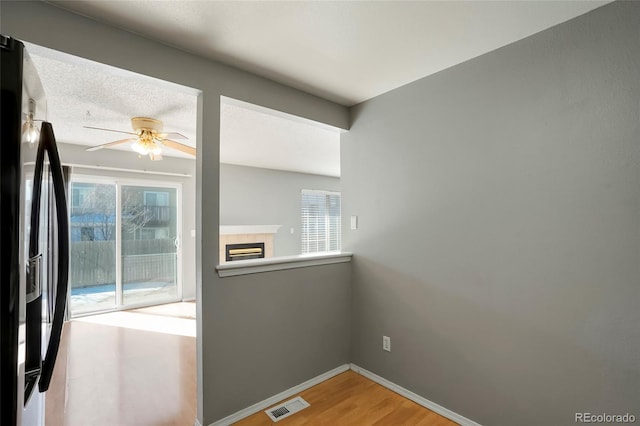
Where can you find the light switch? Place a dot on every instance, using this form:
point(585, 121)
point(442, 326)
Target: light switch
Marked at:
point(354, 222)
point(193, 233)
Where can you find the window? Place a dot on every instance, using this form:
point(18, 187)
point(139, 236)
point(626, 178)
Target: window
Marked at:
point(156, 198)
point(154, 233)
point(80, 195)
point(320, 214)
point(87, 234)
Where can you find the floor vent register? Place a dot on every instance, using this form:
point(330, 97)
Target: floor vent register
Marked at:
point(286, 409)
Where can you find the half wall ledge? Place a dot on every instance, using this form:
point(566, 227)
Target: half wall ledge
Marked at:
point(255, 266)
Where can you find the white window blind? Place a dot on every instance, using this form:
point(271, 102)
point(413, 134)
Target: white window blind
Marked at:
point(320, 214)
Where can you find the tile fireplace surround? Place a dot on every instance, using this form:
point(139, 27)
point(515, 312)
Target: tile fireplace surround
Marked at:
point(240, 234)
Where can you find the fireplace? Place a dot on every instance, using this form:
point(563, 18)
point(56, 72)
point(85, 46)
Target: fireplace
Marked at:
point(261, 236)
point(244, 251)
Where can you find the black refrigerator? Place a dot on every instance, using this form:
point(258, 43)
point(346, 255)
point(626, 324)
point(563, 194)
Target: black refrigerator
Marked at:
point(34, 241)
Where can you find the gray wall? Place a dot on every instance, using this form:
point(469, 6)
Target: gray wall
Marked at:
point(283, 329)
point(499, 237)
point(48, 26)
point(76, 154)
point(256, 196)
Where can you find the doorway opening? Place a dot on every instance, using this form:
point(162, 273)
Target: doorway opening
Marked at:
point(133, 244)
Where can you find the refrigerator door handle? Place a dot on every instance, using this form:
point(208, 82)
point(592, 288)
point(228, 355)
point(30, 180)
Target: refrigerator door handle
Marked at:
point(33, 337)
point(63, 256)
point(33, 281)
point(34, 278)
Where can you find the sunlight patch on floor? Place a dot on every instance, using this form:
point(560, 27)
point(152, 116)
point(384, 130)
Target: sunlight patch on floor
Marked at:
point(146, 322)
point(179, 309)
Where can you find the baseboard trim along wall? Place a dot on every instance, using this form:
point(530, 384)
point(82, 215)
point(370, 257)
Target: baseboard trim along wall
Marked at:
point(451, 415)
point(263, 405)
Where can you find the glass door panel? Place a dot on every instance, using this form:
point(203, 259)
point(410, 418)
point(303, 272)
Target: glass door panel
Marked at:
point(92, 269)
point(149, 244)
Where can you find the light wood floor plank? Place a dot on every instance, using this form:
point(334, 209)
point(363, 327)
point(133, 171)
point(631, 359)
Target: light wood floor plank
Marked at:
point(350, 399)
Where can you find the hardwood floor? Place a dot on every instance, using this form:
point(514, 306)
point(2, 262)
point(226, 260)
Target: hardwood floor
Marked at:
point(112, 371)
point(351, 399)
point(108, 375)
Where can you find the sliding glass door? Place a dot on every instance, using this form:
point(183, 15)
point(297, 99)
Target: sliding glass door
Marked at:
point(149, 244)
point(92, 265)
point(125, 245)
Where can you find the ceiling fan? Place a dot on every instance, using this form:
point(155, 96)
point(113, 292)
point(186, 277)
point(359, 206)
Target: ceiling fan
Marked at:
point(148, 139)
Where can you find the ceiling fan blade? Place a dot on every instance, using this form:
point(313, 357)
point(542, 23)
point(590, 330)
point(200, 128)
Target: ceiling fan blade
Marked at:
point(109, 144)
point(110, 130)
point(179, 146)
point(172, 135)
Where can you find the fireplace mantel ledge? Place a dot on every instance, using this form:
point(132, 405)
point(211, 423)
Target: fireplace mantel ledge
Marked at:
point(248, 229)
point(254, 266)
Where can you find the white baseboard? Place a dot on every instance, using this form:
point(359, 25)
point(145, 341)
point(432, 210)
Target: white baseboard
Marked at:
point(263, 405)
point(451, 415)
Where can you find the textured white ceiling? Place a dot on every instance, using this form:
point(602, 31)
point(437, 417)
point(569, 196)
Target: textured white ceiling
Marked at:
point(346, 51)
point(85, 93)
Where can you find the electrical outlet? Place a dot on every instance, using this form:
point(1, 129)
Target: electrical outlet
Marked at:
point(386, 343)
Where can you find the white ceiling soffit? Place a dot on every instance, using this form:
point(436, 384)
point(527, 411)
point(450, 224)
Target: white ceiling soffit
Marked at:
point(345, 51)
point(259, 137)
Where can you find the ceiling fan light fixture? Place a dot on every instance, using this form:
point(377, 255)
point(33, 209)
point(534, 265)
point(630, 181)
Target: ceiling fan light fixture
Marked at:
point(146, 146)
point(156, 150)
point(140, 148)
point(148, 139)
